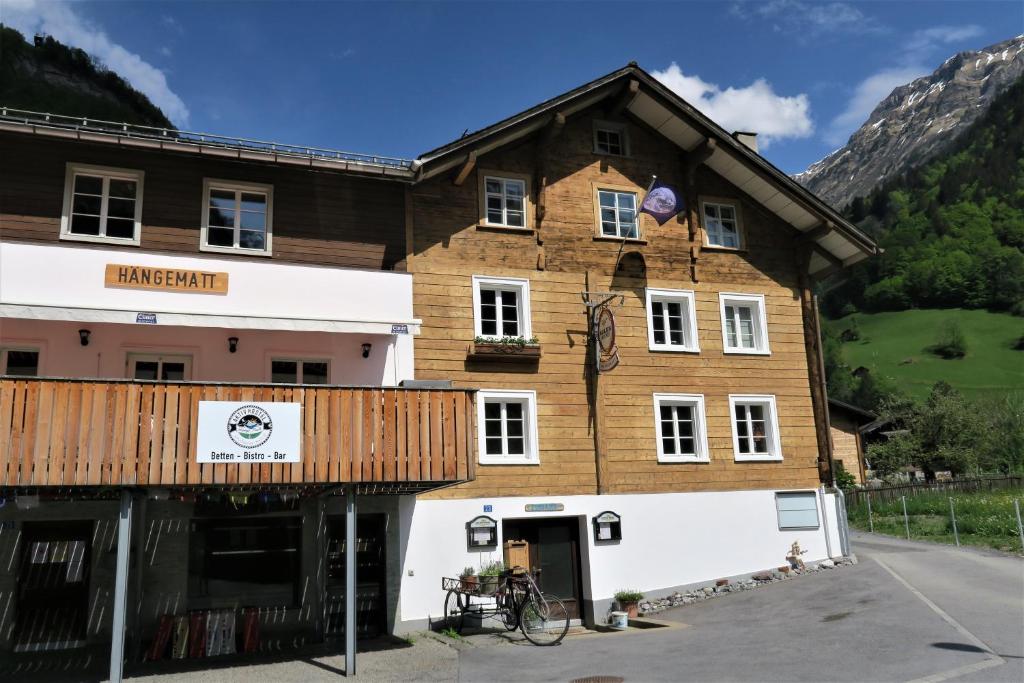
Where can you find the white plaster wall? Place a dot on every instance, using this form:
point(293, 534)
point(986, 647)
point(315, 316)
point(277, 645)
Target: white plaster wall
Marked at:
point(62, 355)
point(72, 276)
point(668, 540)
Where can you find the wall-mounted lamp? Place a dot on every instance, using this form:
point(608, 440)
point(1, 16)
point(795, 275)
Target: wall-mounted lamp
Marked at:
point(366, 350)
point(83, 336)
point(232, 344)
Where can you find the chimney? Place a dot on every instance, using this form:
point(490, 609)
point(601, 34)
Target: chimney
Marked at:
point(747, 138)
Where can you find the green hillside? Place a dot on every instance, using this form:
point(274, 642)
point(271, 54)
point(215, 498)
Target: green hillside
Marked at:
point(895, 345)
point(47, 76)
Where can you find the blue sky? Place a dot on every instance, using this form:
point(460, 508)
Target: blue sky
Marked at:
point(401, 78)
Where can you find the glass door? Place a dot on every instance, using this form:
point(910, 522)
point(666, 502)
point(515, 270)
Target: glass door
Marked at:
point(159, 367)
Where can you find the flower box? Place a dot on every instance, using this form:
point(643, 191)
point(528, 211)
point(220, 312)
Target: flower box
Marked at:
point(496, 351)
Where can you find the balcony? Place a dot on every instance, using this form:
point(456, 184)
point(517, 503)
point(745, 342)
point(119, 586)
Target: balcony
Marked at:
point(110, 433)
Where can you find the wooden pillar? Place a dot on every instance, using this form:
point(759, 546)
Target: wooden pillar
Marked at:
point(815, 368)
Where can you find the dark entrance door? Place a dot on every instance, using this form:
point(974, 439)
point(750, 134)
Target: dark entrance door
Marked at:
point(554, 549)
point(53, 585)
point(371, 576)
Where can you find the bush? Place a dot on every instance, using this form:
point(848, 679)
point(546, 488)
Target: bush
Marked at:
point(628, 595)
point(951, 342)
point(844, 480)
point(851, 333)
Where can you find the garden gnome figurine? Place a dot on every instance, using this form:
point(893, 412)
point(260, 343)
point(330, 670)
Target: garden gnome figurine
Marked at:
point(794, 555)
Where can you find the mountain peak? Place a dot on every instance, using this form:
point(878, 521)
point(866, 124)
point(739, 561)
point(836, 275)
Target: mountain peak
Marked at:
point(915, 120)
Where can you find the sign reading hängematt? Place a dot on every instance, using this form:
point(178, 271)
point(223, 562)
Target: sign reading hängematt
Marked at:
point(248, 431)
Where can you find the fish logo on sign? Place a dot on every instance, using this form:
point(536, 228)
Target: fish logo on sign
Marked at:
point(250, 426)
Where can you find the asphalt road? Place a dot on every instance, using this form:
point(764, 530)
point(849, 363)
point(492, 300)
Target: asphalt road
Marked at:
point(906, 612)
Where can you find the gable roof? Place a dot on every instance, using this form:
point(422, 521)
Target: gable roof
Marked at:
point(862, 416)
point(839, 243)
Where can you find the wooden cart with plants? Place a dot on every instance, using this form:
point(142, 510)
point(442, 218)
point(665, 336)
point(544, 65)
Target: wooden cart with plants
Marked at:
point(511, 595)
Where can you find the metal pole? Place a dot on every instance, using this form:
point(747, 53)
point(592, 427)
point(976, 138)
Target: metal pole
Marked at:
point(124, 534)
point(350, 581)
point(824, 521)
point(871, 522)
point(843, 522)
point(952, 514)
point(1020, 527)
point(906, 520)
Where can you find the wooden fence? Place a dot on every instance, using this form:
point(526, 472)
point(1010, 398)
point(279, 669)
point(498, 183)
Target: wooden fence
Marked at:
point(888, 494)
point(110, 433)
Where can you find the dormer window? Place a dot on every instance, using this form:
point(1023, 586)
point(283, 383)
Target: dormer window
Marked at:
point(610, 138)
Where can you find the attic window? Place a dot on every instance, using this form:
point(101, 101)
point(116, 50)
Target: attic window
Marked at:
point(610, 138)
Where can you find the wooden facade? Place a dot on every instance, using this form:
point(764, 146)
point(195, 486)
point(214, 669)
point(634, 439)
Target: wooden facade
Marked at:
point(320, 217)
point(121, 433)
point(562, 254)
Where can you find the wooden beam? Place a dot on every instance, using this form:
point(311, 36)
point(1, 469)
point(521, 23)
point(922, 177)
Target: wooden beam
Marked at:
point(815, 234)
point(833, 261)
point(553, 129)
point(467, 168)
point(697, 157)
point(625, 97)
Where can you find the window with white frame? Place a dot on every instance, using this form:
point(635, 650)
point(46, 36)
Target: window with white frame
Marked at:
point(671, 320)
point(744, 324)
point(501, 307)
point(797, 509)
point(721, 224)
point(102, 204)
point(21, 362)
point(505, 202)
point(610, 138)
point(679, 424)
point(299, 371)
point(618, 213)
point(755, 427)
point(237, 217)
point(507, 427)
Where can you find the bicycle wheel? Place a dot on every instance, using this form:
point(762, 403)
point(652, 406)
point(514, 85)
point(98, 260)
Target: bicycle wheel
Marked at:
point(454, 611)
point(544, 620)
point(509, 617)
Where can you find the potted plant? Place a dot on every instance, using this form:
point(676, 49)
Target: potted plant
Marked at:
point(628, 601)
point(468, 578)
point(489, 577)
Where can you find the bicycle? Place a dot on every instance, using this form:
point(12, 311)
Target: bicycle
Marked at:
point(542, 617)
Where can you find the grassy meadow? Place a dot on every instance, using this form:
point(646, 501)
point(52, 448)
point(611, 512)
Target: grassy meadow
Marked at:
point(895, 344)
point(983, 518)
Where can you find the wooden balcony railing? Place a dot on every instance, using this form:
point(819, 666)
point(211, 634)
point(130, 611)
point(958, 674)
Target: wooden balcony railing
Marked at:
point(121, 433)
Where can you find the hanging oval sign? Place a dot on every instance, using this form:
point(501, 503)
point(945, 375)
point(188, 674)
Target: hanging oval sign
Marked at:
point(606, 330)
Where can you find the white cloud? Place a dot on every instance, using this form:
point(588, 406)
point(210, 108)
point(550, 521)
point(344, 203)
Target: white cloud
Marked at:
point(165, 51)
point(755, 107)
point(60, 20)
point(172, 23)
point(911, 64)
point(804, 19)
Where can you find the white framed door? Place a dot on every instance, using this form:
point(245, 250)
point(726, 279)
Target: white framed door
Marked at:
point(159, 367)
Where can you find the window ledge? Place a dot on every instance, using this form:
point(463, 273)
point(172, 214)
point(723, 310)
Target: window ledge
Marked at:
point(237, 251)
point(757, 458)
point(509, 461)
point(668, 460)
point(505, 228)
point(507, 353)
point(734, 250)
point(671, 349)
point(747, 352)
point(96, 239)
point(628, 240)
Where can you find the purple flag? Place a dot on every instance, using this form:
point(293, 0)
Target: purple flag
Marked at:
point(662, 201)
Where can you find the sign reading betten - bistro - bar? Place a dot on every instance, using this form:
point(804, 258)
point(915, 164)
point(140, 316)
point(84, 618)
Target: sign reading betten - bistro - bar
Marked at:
point(165, 279)
point(243, 431)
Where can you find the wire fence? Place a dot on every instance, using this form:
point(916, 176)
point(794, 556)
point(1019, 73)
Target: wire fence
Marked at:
point(981, 512)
